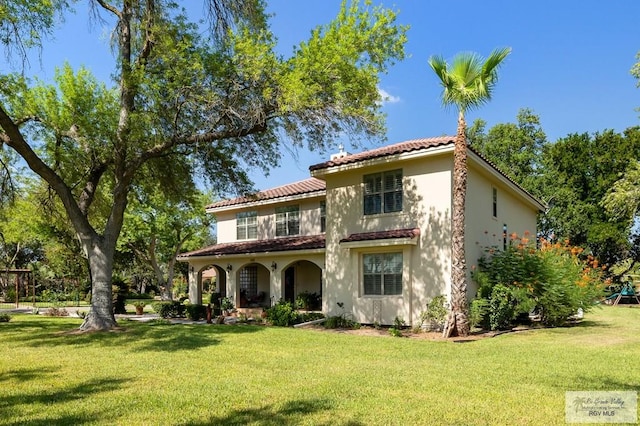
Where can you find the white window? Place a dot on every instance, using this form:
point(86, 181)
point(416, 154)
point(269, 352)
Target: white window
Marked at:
point(287, 221)
point(247, 225)
point(382, 273)
point(383, 192)
point(323, 216)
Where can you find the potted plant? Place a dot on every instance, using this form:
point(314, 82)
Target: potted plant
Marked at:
point(139, 305)
point(226, 304)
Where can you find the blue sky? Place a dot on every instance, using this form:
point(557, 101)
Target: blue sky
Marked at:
point(570, 63)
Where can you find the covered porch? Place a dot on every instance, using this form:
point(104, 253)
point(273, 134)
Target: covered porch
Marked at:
point(258, 274)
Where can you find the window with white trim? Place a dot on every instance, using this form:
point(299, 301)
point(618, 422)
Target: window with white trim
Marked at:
point(382, 274)
point(383, 192)
point(247, 225)
point(287, 221)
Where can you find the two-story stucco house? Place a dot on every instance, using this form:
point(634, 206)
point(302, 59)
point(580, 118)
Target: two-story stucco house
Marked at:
point(370, 231)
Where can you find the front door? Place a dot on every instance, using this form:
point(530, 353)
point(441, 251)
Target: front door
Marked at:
point(289, 275)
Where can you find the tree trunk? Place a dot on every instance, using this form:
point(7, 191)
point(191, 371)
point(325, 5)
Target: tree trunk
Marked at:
point(458, 321)
point(100, 315)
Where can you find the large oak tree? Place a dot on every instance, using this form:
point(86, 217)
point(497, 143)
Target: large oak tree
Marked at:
point(215, 102)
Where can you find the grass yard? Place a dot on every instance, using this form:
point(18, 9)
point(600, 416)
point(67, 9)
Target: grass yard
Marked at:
point(161, 374)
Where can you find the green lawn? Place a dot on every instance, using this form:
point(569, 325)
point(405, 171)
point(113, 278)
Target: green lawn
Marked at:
point(152, 374)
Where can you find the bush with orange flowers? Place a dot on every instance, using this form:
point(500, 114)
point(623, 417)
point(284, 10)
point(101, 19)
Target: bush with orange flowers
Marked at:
point(555, 281)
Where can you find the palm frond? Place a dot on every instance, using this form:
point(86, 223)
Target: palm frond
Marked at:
point(469, 81)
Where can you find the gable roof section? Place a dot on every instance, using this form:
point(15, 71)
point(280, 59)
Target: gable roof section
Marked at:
point(300, 188)
point(307, 242)
point(415, 145)
point(398, 148)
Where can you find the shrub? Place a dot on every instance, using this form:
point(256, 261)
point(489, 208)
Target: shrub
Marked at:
point(398, 325)
point(120, 291)
point(556, 281)
point(341, 321)
point(169, 309)
point(56, 312)
point(308, 301)
point(196, 312)
point(311, 316)
point(226, 304)
point(5, 317)
point(479, 313)
point(282, 314)
point(434, 317)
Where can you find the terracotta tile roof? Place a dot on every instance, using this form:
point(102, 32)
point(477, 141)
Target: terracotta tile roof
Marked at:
point(297, 188)
point(382, 235)
point(306, 242)
point(398, 148)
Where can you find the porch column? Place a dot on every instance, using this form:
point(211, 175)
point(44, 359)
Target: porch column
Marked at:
point(195, 286)
point(275, 286)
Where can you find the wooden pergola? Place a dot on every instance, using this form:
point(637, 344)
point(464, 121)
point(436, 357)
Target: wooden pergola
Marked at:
point(21, 276)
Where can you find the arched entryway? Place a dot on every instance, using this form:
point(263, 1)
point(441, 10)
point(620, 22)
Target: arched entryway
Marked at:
point(253, 286)
point(212, 283)
point(302, 285)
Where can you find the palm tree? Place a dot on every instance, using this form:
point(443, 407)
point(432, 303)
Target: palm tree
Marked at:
point(467, 84)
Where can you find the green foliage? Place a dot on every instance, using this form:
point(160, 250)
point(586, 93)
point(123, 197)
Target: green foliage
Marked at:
point(435, 315)
point(120, 291)
point(553, 281)
point(214, 104)
point(226, 304)
point(5, 317)
point(398, 325)
point(196, 312)
point(515, 148)
point(341, 321)
point(169, 309)
point(501, 308)
point(282, 314)
point(579, 171)
point(479, 313)
point(310, 316)
point(468, 82)
point(308, 301)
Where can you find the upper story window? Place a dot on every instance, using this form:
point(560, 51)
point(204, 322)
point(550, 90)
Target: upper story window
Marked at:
point(247, 225)
point(323, 216)
point(287, 221)
point(383, 192)
point(495, 202)
point(382, 274)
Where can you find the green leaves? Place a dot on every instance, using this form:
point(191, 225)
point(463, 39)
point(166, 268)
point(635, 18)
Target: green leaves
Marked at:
point(468, 82)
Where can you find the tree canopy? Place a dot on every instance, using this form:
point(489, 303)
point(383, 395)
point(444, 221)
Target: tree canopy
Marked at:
point(211, 103)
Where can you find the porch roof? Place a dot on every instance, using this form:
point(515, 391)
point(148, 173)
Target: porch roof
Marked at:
point(305, 242)
point(382, 235)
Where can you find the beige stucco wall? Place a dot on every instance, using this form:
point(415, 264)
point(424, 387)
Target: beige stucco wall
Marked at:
point(426, 205)
point(482, 229)
point(309, 219)
point(427, 185)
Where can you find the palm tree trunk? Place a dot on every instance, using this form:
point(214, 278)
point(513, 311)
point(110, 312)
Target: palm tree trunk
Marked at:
point(458, 320)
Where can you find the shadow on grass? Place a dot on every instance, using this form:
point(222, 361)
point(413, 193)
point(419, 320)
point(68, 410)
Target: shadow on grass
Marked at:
point(292, 413)
point(25, 374)
point(149, 336)
point(10, 406)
